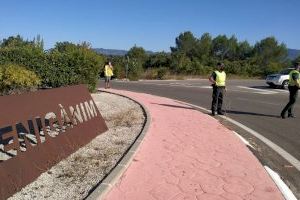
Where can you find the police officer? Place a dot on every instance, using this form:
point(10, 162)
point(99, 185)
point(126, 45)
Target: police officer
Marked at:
point(294, 85)
point(218, 78)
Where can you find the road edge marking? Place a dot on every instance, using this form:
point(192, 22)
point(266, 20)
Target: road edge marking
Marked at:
point(284, 189)
point(246, 142)
point(291, 159)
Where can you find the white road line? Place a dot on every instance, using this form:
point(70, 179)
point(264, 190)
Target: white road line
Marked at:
point(281, 90)
point(206, 87)
point(291, 159)
point(181, 84)
point(284, 189)
point(177, 85)
point(187, 85)
point(165, 84)
point(259, 91)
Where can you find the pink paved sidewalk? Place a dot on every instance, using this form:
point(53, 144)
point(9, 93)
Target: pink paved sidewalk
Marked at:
point(189, 155)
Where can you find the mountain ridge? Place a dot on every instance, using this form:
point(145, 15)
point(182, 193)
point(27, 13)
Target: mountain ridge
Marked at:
point(292, 53)
point(115, 52)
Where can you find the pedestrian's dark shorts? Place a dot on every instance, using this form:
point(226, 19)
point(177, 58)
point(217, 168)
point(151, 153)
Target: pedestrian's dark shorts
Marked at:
point(107, 78)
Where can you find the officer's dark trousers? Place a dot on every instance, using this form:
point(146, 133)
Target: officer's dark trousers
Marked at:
point(217, 99)
point(289, 106)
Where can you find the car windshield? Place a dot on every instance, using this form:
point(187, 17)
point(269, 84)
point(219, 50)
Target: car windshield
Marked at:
point(285, 71)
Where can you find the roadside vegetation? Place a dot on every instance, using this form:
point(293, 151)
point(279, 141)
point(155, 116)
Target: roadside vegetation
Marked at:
point(197, 57)
point(25, 65)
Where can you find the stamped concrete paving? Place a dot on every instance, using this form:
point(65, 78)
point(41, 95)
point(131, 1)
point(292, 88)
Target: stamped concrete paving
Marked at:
point(189, 155)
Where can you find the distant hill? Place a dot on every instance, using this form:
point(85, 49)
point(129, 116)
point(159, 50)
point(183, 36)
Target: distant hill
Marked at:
point(293, 54)
point(115, 52)
point(111, 52)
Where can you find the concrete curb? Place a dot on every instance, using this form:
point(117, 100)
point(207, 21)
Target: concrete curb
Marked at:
point(100, 190)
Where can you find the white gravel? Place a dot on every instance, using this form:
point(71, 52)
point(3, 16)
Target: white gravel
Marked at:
point(72, 178)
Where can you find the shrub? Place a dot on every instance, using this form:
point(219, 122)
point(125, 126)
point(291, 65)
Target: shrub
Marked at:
point(66, 64)
point(17, 79)
point(32, 57)
point(199, 69)
point(150, 73)
point(161, 73)
point(272, 68)
point(70, 64)
point(119, 65)
point(135, 70)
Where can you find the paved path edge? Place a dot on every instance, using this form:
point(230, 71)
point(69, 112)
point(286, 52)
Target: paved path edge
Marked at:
point(102, 188)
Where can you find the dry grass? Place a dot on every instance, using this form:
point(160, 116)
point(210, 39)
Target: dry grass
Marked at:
point(127, 118)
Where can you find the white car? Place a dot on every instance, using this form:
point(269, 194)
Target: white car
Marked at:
point(279, 80)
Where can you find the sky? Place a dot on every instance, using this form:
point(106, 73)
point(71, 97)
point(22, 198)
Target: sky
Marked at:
point(151, 24)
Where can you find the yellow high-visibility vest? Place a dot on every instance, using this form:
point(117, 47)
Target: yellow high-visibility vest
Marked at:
point(220, 78)
point(108, 71)
point(291, 81)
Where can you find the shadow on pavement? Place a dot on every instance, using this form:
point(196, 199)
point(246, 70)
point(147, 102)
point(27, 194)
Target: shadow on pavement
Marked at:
point(174, 106)
point(251, 113)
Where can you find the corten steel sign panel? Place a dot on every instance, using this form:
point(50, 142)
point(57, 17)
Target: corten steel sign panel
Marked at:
point(39, 129)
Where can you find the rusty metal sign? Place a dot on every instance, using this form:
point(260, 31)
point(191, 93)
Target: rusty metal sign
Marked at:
point(39, 129)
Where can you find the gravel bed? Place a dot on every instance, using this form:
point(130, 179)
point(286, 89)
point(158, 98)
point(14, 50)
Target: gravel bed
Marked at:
point(74, 177)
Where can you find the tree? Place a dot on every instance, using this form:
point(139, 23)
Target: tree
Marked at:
point(244, 50)
point(137, 58)
point(232, 48)
point(64, 47)
point(39, 42)
point(185, 43)
point(269, 55)
point(268, 50)
point(160, 59)
point(15, 41)
point(137, 53)
point(204, 48)
point(180, 63)
point(220, 46)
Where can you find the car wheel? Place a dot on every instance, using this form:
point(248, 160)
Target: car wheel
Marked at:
point(285, 84)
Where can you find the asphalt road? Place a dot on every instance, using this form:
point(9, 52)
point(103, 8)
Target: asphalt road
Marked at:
point(249, 102)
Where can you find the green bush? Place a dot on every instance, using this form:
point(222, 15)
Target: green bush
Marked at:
point(66, 64)
point(200, 69)
point(30, 56)
point(161, 73)
point(272, 68)
point(135, 70)
point(16, 79)
point(70, 64)
point(119, 65)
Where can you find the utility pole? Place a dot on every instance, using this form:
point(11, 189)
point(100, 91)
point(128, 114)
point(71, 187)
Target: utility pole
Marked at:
point(126, 67)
